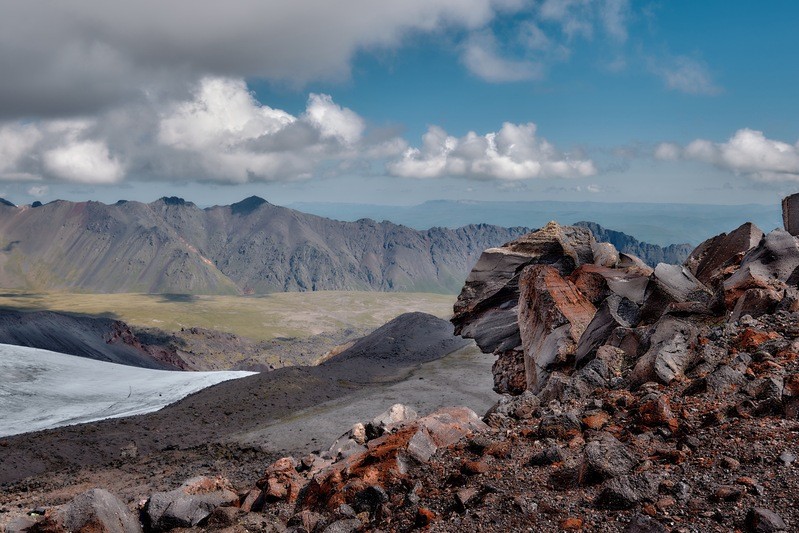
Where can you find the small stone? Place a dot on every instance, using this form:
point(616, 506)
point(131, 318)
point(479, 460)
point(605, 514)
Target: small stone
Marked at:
point(682, 491)
point(625, 492)
point(358, 433)
point(644, 524)
point(761, 520)
point(467, 496)
point(596, 420)
point(343, 526)
point(607, 457)
point(572, 524)
point(547, 457)
point(474, 467)
point(525, 504)
point(727, 493)
point(730, 463)
point(787, 458)
point(664, 503)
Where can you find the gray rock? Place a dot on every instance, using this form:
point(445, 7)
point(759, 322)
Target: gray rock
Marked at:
point(670, 352)
point(343, 526)
point(605, 254)
point(790, 214)
point(606, 457)
point(98, 508)
point(547, 456)
point(775, 258)
point(708, 260)
point(614, 312)
point(369, 499)
point(396, 414)
point(671, 284)
point(762, 520)
point(787, 458)
point(625, 492)
point(724, 380)
point(188, 505)
point(641, 523)
point(344, 447)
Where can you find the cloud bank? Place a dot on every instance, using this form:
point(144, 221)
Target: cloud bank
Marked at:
point(220, 133)
point(513, 153)
point(89, 55)
point(747, 152)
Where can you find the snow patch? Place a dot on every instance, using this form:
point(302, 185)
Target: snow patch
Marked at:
point(40, 389)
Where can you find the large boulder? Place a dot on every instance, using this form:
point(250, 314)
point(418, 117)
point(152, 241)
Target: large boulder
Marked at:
point(716, 256)
point(189, 505)
point(771, 266)
point(553, 315)
point(95, 511)
point(486, 306)
point(671, 351)
point(672, 284)
point(614, 312)
point(790, 214)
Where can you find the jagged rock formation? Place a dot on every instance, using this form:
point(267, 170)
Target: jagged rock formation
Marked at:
point(651, 254)
point(173, 246)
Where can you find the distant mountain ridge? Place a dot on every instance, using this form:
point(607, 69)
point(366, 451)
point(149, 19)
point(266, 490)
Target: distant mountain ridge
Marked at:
point(651, 254)
point(251, 247)
point(656, 223)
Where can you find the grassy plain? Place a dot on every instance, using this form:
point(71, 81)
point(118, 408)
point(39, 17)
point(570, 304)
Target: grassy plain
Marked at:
point(264, 317)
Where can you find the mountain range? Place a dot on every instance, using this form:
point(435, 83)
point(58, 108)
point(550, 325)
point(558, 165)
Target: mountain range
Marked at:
point(249, 247)
point(660, 224)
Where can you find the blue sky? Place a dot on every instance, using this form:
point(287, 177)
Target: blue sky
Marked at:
point(595, 100)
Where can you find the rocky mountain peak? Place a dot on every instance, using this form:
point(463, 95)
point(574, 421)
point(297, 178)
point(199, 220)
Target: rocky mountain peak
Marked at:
point(247, 206)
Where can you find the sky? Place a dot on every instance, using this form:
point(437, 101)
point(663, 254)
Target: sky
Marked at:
point(357, 101)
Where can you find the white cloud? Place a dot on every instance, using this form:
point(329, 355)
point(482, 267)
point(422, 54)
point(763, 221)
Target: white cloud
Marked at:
point(237, 139)
point(83, 162)
point(220, 133)
point(513, 153)
point(334, 120)
point(748, 152)
point(685, 74)
point(481, 56)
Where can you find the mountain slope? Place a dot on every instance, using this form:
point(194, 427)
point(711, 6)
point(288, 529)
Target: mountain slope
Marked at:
point(173, 246)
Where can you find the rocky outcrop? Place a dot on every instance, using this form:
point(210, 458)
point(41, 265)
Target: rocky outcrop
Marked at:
point(487, 308)
point(552, 316)
point(545, 303)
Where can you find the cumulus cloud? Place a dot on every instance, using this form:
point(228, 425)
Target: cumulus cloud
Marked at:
point(513, 153)
point(686, 75)
point(221, 132)
point(89, 55)
point(748, 152)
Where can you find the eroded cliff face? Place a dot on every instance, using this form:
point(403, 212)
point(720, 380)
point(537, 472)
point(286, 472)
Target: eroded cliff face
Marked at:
point(545, 303)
